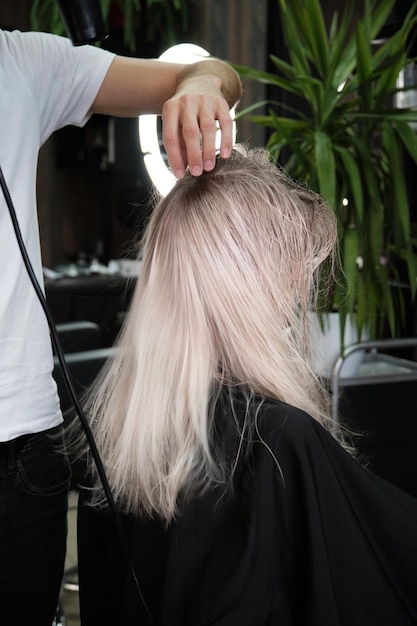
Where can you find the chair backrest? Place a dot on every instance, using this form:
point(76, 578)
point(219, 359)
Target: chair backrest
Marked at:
point(80, 336)
point(379, 401)
point(83, 367)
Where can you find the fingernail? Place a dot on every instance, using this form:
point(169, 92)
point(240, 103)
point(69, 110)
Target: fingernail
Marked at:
point(196, 171)
point(225, 153)
point(179, 173)
point(208, 165)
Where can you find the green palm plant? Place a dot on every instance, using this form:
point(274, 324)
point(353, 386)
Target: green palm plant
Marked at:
point(347, 140)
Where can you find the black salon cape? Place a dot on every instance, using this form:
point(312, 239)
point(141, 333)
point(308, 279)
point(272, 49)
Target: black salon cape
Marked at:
point(307, 538)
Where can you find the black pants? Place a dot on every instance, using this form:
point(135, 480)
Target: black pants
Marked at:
point(34, 482)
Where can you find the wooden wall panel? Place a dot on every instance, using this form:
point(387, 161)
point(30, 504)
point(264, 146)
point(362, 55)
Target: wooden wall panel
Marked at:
point(236, 30)
point(15, 14)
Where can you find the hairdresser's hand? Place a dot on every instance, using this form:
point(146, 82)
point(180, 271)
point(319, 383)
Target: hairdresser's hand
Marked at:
point(192, 98)
point(190, 125)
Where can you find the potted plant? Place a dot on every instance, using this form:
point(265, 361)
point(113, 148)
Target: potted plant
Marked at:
point(347, 139)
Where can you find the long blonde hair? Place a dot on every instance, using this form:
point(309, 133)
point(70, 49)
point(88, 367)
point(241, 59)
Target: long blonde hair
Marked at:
point(229, 269)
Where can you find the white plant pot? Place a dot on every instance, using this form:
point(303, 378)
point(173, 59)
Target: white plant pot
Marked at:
point(326, 345)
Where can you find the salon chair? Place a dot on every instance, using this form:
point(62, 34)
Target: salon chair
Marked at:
point(83, 367)
point(80, 336)
point(378, 402)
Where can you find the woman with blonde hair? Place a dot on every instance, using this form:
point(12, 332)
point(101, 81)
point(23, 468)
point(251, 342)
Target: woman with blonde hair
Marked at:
point(238, 504)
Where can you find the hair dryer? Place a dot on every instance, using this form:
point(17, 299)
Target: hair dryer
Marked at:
point(83, 20)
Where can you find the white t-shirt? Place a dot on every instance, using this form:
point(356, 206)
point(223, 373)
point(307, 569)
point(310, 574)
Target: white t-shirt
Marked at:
point(46, 84)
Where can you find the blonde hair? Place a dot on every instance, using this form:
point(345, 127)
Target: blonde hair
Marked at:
point(229, 265)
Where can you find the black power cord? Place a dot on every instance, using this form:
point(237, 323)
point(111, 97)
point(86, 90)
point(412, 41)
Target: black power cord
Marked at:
point(73, 394)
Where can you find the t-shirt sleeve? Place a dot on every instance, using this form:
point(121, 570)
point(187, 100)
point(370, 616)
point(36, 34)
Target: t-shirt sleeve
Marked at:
point(64, 79)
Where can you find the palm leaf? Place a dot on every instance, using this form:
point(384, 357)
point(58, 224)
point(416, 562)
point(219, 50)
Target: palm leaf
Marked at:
point(395, 160)
point(326, 167)
point(351, 170)
point(408, 138)
point(310, 22)
point(350, 255)
point(363, 59)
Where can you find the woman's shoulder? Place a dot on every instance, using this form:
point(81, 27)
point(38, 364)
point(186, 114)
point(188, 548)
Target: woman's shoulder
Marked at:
point(280, 428)
point(294, 439)
point(274, 418)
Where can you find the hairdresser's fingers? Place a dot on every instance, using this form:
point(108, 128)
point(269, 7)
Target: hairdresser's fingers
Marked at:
point(213, 122)
point(226, 125)
point(190, 129)
point(181, 134)
point(208, 133)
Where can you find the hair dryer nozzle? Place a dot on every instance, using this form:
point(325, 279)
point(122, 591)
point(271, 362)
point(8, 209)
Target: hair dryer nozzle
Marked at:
point(83, 20)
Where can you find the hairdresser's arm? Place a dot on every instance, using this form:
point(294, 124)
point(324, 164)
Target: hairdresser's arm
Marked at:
point(190, 97)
